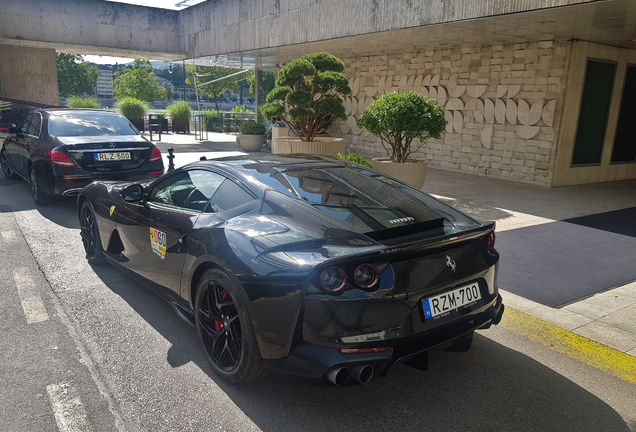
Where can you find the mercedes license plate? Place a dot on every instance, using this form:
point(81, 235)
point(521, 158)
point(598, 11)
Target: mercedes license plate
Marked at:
point(119, 156)
point(443, 304)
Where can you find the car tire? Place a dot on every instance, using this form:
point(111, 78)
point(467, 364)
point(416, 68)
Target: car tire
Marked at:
point(463, 344)
point(90, 234)
point(225, 330)
point(6, 166)
point(39, 197)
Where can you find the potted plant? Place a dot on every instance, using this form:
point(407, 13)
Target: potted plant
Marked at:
point(356, 158)
point(251, 136)
point(309, 95)
point(398, 119)
point(134, 110)
point(81, 102)
point(180, 114)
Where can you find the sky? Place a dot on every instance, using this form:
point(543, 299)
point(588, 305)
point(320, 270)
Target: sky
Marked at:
point(164, 4)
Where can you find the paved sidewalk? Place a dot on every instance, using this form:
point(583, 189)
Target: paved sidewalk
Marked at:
point(608, 317)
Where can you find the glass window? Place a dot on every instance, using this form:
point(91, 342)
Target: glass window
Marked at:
point(625, 141)
point(367, 202)
point(595, 106)
point(89, 124)
point(24, 126)
point(188, 190)
point(228, 196)
point(34, 125)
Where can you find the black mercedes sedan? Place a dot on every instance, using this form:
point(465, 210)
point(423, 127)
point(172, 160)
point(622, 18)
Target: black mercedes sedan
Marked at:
point(305, 264)
point(59, 151)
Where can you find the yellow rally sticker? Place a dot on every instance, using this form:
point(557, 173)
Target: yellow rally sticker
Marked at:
point(158, 242)
point(112, 209)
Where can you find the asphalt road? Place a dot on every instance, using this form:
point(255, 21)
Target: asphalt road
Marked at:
point(88, 349)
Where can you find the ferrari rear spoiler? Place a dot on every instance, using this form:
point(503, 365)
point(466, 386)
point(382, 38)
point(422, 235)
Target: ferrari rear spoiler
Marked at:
point(405, 247)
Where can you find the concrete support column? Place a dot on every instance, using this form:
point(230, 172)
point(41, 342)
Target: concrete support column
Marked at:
point(29, 74)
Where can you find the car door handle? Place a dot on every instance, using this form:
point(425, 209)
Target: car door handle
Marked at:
point(183, 239)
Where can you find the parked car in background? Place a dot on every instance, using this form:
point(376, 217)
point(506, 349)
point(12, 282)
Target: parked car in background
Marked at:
point(305, 264)
point(59, 151)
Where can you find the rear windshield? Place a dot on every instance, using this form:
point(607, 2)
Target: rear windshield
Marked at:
point(371, 203)
point(89, 124)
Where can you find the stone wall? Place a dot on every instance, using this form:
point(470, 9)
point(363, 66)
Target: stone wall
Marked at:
point(502, 102)
point(29, 74)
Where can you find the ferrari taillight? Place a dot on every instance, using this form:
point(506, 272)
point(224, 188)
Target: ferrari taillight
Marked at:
point(332, 279)
point(155, 155)
point(366, 276)
point(489, 241)
point(57, 157)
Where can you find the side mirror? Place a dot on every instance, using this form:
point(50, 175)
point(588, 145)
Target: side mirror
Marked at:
point(13, 129)
point(132, 193)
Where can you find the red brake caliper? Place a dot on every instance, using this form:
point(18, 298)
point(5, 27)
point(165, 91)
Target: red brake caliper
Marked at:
point(218, 325)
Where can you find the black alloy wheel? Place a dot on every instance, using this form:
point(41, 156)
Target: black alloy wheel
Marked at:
point(39, 197)
point(90, 235)
point(6, 166)
point(224, 329)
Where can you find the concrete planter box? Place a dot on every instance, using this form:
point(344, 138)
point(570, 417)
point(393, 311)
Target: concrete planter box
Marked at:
point(139, 124)
point(278, 133)
point(319, 146)
point(412, 172)
point(180, 126)
point(250, 143)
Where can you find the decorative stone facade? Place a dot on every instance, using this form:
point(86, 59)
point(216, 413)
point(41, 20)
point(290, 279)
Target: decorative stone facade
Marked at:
point(502, 104)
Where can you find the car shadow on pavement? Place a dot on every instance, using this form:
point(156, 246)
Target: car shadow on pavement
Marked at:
point(15, 196)
point(492, 387)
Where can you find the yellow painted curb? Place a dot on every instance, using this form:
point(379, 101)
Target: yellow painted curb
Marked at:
point(592, 353)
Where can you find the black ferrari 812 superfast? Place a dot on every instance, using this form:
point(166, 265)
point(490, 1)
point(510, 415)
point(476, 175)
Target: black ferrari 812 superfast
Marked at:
point(307, 264)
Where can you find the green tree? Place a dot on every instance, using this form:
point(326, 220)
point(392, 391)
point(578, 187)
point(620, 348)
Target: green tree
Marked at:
point(74, 76)
point(268, 82)
point(138, 82)
point(175, 74)
point(210, 73)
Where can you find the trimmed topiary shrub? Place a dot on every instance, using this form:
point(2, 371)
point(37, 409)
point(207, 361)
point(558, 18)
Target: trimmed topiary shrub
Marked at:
point(310, 92)
point(80, 102)
point(399, 118)
point(252, 128)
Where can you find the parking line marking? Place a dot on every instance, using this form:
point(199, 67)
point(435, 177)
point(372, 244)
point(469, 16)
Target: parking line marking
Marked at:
point(8, 236)
point(32, 303)
point(68, 408)
point(589, 352)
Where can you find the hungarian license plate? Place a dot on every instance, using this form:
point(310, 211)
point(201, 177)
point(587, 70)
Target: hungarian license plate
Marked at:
point(118, 156)
point(443, 304)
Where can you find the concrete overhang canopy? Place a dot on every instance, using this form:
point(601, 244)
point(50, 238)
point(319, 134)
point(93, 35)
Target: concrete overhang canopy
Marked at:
point(93, 27)
point(255, 33)
point(611, 22)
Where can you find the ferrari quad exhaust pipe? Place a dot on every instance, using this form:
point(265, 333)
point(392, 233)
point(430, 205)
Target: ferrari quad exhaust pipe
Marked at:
point(338, 375)
point(363, 373)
